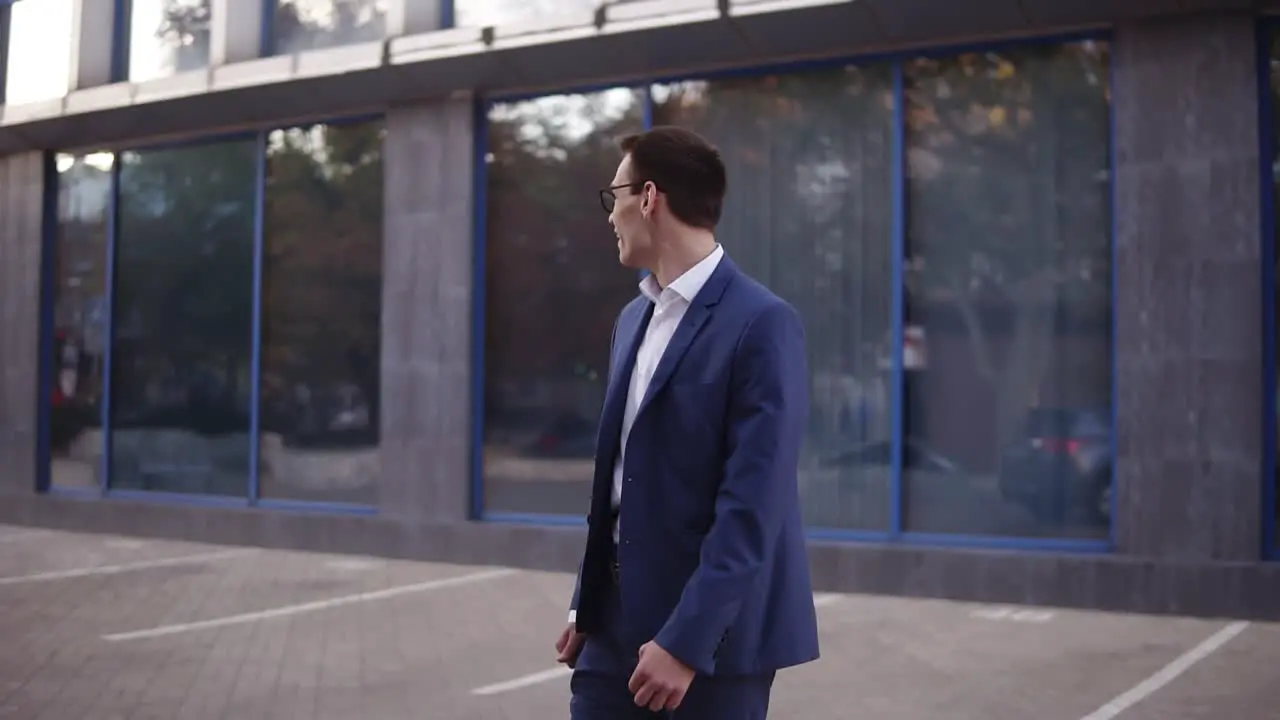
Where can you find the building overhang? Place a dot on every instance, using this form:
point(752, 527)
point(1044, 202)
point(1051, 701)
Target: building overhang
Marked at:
point(619, 44)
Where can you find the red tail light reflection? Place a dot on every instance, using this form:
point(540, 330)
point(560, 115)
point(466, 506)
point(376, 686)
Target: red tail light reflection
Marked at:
point(1064, 446)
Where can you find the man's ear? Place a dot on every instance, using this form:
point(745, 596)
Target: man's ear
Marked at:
point(649, 196)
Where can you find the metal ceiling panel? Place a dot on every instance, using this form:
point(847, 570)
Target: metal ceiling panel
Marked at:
point(915, 21)
point(198, 115)
point(1224, 5)
point(629, 43)
point(669, 11)
point(621, 56)
point(807, 28)
point(1050, 13)
point(546, 24)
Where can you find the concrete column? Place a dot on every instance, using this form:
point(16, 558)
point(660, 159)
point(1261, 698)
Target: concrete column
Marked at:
point(236, 32)
point(1189, 344)
point(21, 204)
point(427, 301)
point(92, 42)
point(407, 17)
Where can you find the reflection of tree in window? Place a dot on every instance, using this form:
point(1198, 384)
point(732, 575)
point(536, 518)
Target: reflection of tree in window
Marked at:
point(169, 36)
point(183, 313)
point(1009, 218)
point(1008, 284)
point(548, 157)
point(809, 214)
point(312, 24)
point(553, 289)
point(79, 321)
point(321, 316)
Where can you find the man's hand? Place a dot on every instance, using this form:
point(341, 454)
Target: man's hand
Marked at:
point(569, 645)
point(660, 681)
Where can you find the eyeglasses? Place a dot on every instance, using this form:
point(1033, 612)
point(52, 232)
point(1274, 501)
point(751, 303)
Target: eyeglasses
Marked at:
point(608, 198)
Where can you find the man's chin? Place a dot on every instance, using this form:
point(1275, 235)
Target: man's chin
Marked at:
point(625, 259)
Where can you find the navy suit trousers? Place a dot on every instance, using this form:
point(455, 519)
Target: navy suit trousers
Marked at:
point(604, 668)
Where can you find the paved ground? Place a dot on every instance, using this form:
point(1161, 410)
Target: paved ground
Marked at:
point(106, 628)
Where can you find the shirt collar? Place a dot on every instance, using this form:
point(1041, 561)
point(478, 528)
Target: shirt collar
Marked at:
point(687, 285)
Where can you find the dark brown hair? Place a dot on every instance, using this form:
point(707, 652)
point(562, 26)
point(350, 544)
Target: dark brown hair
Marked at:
point(685, 167)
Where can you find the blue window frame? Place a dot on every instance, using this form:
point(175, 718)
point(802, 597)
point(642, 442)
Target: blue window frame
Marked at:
point(105, 220)
point(1070, 419)
point(120, 30)
point(1269, 175)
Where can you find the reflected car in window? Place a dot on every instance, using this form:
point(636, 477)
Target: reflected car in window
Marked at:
point(1060, 466)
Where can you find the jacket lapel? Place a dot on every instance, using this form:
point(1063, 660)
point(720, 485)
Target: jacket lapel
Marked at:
point(630, 331)
point(691, 324)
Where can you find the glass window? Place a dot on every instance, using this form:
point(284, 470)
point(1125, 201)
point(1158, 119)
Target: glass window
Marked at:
point(322, 314)
point(1008, 293)
point(79, 320)
point(547, 343)
point(167, 37)
point(312, 24)
point(183, 319)
point(485, 13)
point(810, 214)
point(39, 55)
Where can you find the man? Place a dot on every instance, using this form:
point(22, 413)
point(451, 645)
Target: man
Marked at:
point(694, 587)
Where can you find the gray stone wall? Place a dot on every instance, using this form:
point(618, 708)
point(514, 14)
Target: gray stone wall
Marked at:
point(21, 195)
point(427, 312)
point(1189, 294)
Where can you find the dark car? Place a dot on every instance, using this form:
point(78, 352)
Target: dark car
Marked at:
point(1059, 468)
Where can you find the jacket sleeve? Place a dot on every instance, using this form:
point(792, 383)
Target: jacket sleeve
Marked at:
point(767, 411)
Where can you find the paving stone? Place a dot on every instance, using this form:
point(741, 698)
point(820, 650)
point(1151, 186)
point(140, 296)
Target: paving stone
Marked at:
point(420, 654)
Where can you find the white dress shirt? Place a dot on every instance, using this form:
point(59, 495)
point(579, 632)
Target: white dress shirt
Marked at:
point(670, 304)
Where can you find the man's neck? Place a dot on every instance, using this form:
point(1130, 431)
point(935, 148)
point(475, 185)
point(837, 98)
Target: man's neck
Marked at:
point(682, 254)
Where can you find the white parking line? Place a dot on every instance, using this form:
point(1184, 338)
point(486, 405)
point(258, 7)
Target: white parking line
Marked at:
point(555, 673)
point(126, 567)
point(520, 682)
point(824, 599)
point(308, 607)
point(354, 564)
point(1012, 615)
point(1167, 674)
point(15, 535)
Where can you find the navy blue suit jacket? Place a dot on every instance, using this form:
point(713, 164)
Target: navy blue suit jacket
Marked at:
point(712, 551)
